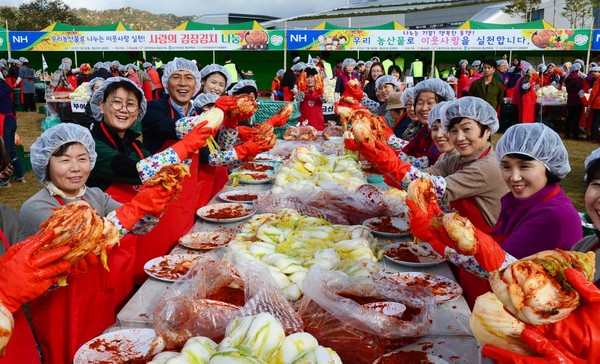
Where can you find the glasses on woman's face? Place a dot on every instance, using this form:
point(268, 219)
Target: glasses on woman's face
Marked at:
point(117, 105)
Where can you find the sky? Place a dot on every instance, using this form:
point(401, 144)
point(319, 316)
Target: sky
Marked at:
point(277, 8)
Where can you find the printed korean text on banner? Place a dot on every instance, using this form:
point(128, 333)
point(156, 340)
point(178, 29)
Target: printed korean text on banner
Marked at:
point(439, 39)
point(147, 40)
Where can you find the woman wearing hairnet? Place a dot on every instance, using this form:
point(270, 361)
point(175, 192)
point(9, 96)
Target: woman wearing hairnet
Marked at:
point(407, 99)
point(117, 105)
point(347, 74)
point(276, 93)
point(462, 75)
point(62, 158)
point(535, 216)
point(59, 81)
point(215, 79)
point(311, 99)
point(527, 95)
point(469, 181)
point(575, 94)
point(427, 94)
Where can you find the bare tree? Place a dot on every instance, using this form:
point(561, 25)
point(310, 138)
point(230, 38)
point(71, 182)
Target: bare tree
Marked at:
point(522, 8)
point(578, 12)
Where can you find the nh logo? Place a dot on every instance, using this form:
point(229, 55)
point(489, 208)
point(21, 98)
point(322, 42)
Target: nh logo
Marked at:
point(20, 39)
point(298, 37)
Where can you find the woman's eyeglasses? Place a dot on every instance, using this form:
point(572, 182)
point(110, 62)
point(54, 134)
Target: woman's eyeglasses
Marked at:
point(117, 105)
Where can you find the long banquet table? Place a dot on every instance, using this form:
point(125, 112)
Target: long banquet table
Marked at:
point(450, 334)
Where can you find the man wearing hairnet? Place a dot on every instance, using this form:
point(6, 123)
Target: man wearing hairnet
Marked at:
point(65, 318)
point(167, 121)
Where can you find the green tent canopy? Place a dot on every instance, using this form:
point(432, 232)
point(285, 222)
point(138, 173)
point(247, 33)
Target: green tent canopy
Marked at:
point(536, 24)
point(191, 25)
point(393, 25)
point(62, 27)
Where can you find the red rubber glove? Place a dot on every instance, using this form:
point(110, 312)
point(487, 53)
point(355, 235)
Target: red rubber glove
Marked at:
point(487, 252)
point(82, 266)
point(149, 201)
point(249, 149)
point(385, 158)
point(420, 226)
point(192, 141)
point(549, 353)
point(578, 333)
point(24, 276)
point(387, 131)
point(246, 133)
point(350, 144)
point(231, 122)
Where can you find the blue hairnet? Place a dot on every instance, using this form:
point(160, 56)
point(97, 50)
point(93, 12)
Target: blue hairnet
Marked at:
point(99, 96)
point(204, 99)
point(387, 79)
point(280, 73)
point(576, 67)
point(46, 144)
point(212, 68)
point(538, 141)
point(180, 64)
point(473, 108)
point(437, 86)
point(242, 83)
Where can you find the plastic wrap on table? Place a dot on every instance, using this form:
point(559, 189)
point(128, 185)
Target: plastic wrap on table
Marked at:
point(335, 204)
point(189, 308)
point(284, 148)
point(331, 309)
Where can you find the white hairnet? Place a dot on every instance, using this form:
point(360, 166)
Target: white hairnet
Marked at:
point(368, 63)
point(212, 68)
point(122, 68)
point(23, 59)
point(576, 67)
point(99, 96)
point(11, 60)
point(75, 70)
point(408, 94)
point(91, 84)
point(296, 59)
point(147, 65)
point(99, 65)
point(204, 99)
point(46, 144)
point(135, 68)
point(463, 61)
point(473, 108)
point(115, 63)
point(242, 83)
point(280, 73)
point(541, 67)
point(580, 61)
point(476, 63)
point(437, 86)
point(347, 62)
point(502, 62)
point(64, 67)
point(384, 80)
point(359, 62)
point(298, 66)
point(594, 156)
point(551, 64)
point(538, 141)
point(106, 66)
point(180, 64)
point(436, 112)
point(595, 69)
point(66, 60)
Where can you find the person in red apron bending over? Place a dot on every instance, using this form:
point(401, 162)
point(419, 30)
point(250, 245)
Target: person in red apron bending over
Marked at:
point(535, 215)
point(64, 319)
point(470, 182)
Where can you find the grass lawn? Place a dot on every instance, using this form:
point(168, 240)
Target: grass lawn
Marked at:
point(29, 129)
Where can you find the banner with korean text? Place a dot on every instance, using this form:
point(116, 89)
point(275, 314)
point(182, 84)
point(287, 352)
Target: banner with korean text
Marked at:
point(147, 40)
point(439, 39)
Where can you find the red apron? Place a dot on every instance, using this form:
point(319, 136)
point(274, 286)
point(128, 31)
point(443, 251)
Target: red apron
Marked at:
point(21, 348)
point(527, 107)
point(212, 180)
point(67, 317)
point(472, 285)
point(147, 87)
point(173, 224)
